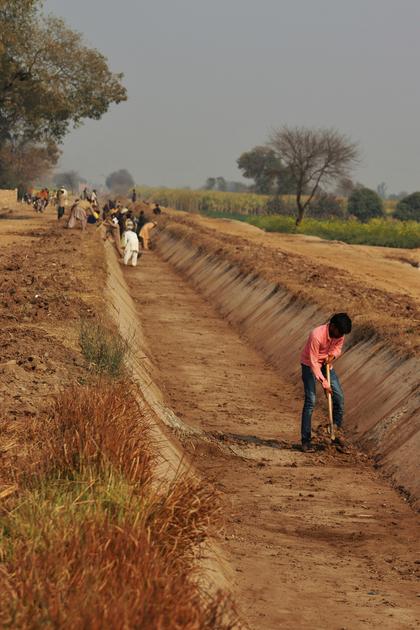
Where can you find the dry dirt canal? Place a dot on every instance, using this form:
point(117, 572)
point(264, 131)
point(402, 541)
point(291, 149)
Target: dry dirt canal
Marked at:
point(315, 541)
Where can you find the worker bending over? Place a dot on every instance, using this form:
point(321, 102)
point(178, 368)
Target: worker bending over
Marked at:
point(145, 233)
point(323, 346)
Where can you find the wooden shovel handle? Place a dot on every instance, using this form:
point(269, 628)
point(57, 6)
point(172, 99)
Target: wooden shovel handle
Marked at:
point(330, 407)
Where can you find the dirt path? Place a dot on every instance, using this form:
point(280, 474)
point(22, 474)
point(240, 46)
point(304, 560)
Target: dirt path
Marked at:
point(316, 541)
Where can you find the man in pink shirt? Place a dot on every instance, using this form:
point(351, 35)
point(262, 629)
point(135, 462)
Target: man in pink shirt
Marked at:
point(323, 346)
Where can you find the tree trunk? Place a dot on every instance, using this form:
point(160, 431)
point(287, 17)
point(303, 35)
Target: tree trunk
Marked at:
point(301, 211)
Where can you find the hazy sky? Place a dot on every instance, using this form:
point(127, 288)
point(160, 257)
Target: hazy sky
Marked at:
point(208, 79)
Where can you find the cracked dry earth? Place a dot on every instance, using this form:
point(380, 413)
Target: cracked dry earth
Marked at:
point(316, 541)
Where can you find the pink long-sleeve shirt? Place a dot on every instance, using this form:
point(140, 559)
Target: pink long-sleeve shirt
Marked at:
point(317, 349)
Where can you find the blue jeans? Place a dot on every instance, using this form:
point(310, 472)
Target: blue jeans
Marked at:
point(309, 384)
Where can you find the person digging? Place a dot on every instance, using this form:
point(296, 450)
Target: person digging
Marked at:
point(324, 345)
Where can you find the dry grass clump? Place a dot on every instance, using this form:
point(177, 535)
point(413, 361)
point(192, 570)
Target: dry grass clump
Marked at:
point(104, 349)
point(97, 426)
point(104, 576)
point(90, 541)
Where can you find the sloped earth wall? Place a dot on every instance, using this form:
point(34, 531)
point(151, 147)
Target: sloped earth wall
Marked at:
point(382, 387)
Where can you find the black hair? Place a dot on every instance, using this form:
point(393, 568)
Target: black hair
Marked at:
point(342, 322)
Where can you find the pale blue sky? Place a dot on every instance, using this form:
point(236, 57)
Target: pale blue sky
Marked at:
point(208, 79)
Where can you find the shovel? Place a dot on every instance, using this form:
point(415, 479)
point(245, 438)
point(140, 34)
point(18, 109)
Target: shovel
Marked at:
point(330, 407)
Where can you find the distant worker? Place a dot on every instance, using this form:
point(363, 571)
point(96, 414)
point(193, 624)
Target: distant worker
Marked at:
point(62, 200)
point(130, 243)
point(145, 233)
point(134, 196)
point(324, 345)
point(93, 214)
point(157, 209)
point(141, 220)
point(112, 229)
point(44, 197)
point(77, 215)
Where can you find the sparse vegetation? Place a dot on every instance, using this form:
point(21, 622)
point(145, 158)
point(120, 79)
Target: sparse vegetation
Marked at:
point(88, 541)
point(103, 348)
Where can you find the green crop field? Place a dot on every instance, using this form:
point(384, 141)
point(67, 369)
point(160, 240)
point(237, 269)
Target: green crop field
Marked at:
point(251, 208)
point(384, 232)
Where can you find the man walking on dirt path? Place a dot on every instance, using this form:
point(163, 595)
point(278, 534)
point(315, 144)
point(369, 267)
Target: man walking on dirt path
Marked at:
point(131, 244)
point(323, 346)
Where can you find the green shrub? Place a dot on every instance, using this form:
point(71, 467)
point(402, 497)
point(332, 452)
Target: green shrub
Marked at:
point(383, 232)
point(365, 204)
point(408, 209)
point(104, 349)
point(273, 223)
point(326, 206)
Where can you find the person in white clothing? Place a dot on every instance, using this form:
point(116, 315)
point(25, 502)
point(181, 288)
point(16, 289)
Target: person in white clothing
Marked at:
point(131, 244)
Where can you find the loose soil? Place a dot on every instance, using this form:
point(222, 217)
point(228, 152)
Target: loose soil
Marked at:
point(316, 540)
point(51, 278)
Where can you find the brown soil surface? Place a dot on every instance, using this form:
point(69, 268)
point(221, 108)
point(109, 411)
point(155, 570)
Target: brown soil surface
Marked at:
point(378, 286)
point(317, 540)
point(50, 279)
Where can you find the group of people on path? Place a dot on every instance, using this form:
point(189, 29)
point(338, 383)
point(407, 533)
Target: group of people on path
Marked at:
point(130, 231)
point(127, 225)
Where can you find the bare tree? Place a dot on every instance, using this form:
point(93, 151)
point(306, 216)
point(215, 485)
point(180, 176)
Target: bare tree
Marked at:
point(314, 157)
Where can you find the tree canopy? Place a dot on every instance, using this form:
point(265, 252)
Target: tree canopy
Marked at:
point(49, 79)
point(25, 164)
point(264, 166)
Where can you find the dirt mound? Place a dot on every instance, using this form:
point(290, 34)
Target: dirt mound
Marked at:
point(45, 290)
